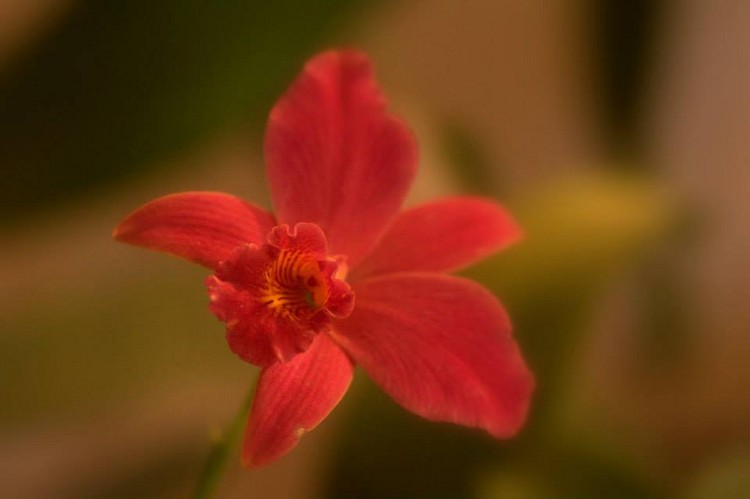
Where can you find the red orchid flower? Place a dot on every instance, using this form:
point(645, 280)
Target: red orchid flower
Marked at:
point(338, 277)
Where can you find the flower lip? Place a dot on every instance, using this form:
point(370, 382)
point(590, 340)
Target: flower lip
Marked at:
point(274, 298)
point(295, 285)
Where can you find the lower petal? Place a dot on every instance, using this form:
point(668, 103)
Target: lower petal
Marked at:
point(441, 347)
point(294, 397)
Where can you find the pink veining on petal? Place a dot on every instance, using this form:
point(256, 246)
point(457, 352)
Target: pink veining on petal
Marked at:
point(441, 347)
point(203, 227)
point(441, 235)
point(335, 156)
point(293, 398)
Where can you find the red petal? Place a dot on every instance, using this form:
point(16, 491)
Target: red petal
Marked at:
point(334, 155)
point(441, 347)
point(304, 237)
point(293, 398)
point(203, 227)
point(440, 236)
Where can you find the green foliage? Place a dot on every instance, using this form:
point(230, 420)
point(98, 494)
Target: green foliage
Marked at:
point(468, 159)
point(95, 346)
point(580, 233)
point(122, 84)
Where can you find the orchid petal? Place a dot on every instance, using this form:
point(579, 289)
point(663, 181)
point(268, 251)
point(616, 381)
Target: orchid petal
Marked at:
point(441, 236)
point(292, 398)
point(203, 227)
point(441, 346)
point(335, 157)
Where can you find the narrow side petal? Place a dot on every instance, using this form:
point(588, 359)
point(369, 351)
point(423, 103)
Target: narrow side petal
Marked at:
point(335, 156)
point(441, 347)
point(203, 227)
point(441, 236)
point(294, 397)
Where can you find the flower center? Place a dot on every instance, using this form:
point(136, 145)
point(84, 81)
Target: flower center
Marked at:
point(275, 297)
point(295, 285)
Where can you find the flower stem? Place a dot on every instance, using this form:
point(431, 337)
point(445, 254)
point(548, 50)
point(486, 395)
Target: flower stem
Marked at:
point(222, 449)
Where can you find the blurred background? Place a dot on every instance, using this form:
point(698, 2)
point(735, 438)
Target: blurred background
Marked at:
point(616, 131)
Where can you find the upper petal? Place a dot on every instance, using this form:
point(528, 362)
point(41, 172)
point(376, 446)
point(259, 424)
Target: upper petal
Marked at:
point(335, 156)
point(441, 236)
point(441, 347)
point(203, 227)
point(292, 398)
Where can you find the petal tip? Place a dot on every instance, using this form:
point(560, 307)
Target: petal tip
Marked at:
point(340, 56)
point(123, 230)
point(252, 458)
point(516, 233)
point(512, 424)
point(249, 463)
point(117, 233)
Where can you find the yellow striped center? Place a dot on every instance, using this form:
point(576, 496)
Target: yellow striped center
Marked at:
point(295, 286)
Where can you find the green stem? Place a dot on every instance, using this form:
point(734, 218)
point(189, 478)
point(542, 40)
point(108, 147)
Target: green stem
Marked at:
point(225, 447)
